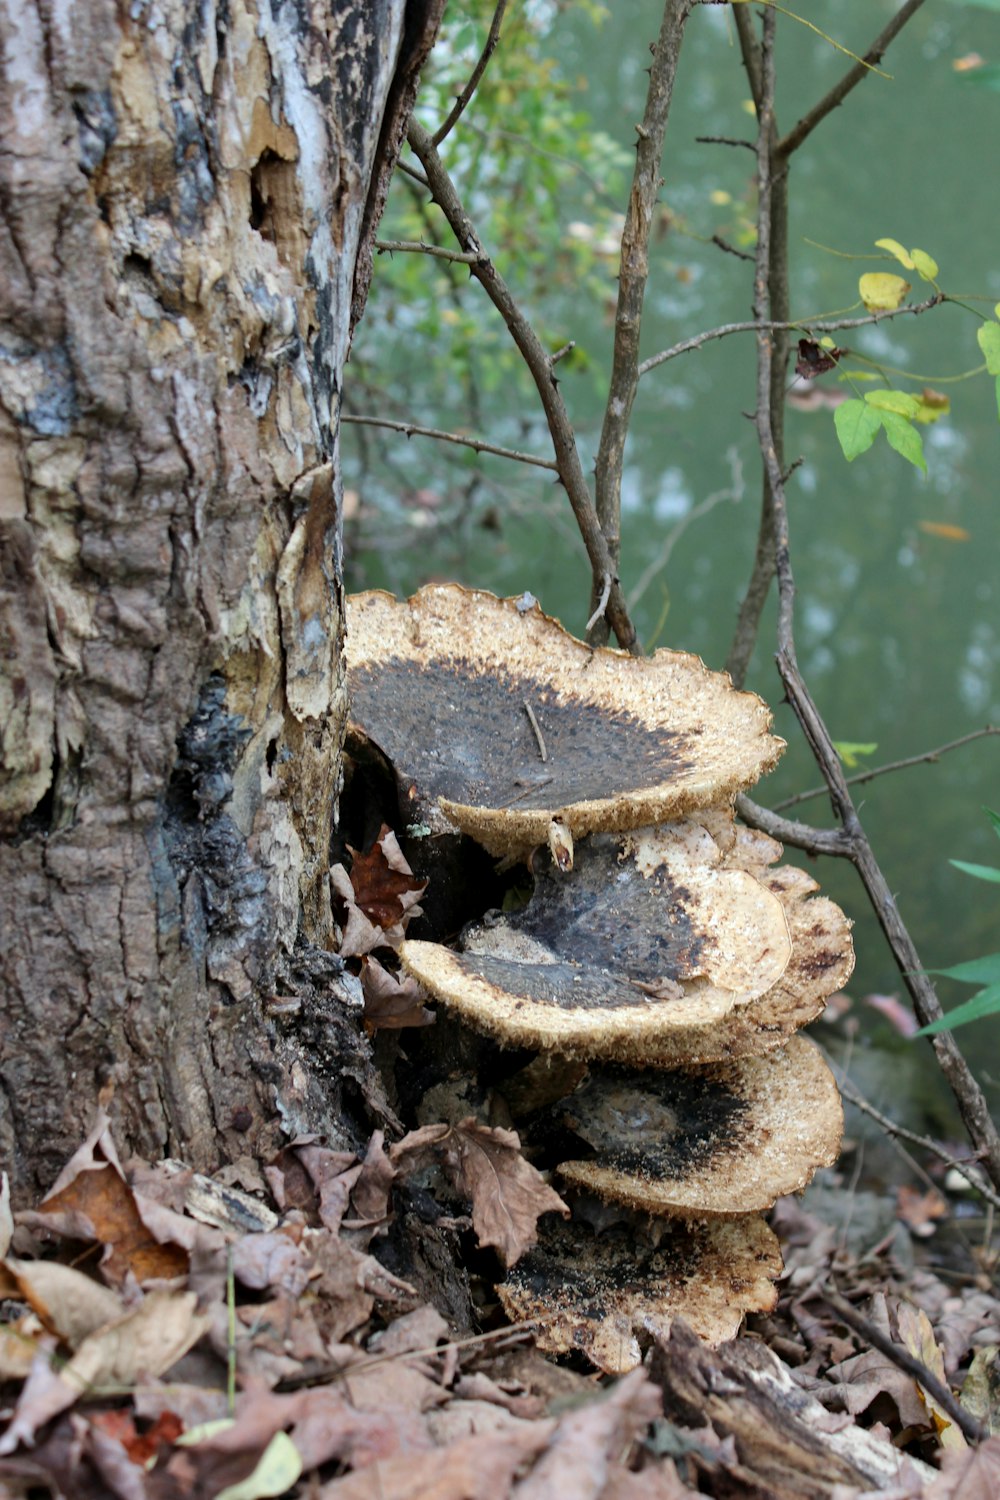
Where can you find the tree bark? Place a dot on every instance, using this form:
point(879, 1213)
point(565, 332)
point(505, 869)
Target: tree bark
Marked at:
point(189, 198)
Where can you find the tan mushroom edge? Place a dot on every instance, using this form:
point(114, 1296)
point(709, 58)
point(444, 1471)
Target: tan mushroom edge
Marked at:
point(722, 735)
point(787, 1121)
point(607, 1295)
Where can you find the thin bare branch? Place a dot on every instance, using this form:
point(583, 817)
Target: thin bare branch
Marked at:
point(411, 429)
point(632, 275)
point(422, 247)
point(568, 464)
point(798, 325)
point(928, 757)
point(462, 100)
point(787, 831)
point(602, 603)
point(968, 1095)
point(892, 1128)
point(734, 492)
point(404, 167)
point(729, 249)
point(939, 1393)
point(724, 140)
point(847, 82)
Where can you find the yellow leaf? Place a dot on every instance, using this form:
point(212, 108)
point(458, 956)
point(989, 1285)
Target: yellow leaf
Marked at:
point(720, 197)
point(946, 530)
point(881, 291)
point(896, 249)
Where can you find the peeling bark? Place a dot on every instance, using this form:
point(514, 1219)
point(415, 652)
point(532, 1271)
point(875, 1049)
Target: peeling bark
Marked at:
point(186, 192)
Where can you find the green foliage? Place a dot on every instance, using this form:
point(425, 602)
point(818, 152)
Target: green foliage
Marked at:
point(893, 412)
point(984, 971)
point(850, 752)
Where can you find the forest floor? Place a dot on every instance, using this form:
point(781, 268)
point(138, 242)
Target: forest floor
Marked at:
point(168, 1335)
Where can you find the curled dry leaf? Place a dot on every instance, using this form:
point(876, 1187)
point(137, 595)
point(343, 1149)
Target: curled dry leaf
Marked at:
point(482, 1467)
point(381, 895)
point(392, 1001)
point(485, 1164)
point(68, 1303)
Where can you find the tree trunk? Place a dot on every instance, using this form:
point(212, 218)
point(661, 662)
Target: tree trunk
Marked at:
point(190, 194)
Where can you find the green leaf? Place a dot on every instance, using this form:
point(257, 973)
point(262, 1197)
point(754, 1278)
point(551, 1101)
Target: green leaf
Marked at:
point(994, 819)
point(988, 335)
point(986, 1003)
point(279, 1467)
point(998, 395)
point(981, 872)
point(896, 249)
point(857, 425)
point(925, 264)
point(904, 437)
point(986, 77)
point(850, 750)
point(974, 971)
point(900, 401)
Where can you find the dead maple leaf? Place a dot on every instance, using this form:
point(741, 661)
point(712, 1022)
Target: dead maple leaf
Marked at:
point(380, 896)
point(98, 1204)
point(485, 1164)
point(391, 1001)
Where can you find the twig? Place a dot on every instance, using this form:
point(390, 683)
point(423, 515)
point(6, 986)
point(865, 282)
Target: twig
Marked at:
point(722, 244)
point(515, 1333)
point(633, 271)
point(904, 1360)
point(421, 247)
point(537, 730)
point(568, 464)
point(852, 837)
point(470, 88)
point(802, 325)
point(404, 167)
point(891, 1128)
point(798, 835)
point(562, 353)
point(850, 80)
point(733, 493)
point(411, 429)
point(929, 756)
point(724, 140)
point(602, 603)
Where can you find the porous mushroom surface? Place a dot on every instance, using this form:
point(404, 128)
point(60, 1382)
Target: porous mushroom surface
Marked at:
point(821, 962)
point(498, 722)
point(600, 1293)
point(649, 932)
point(725, 1140)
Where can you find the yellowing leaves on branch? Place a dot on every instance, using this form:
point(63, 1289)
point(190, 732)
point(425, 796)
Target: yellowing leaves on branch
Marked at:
point(881, 291)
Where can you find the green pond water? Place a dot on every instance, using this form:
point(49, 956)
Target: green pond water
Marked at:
point(897, 626)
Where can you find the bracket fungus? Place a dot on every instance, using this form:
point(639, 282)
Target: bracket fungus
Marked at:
point(496, 721)
point(660, 967)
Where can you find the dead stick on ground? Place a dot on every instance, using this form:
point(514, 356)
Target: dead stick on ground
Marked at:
point(535, 726)
point(904, 1360)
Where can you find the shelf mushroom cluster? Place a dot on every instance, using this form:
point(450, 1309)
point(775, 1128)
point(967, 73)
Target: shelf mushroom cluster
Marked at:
point(660, 969)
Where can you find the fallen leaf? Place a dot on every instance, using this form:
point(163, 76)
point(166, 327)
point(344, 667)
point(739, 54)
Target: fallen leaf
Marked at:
point(919, 1211)
point(587, 1440)
point(68, 1303)
point(971, 1475)
point(477, 1468)
point(917, 1335)
point(98, 1204)
point(392, 1001)
point(147, 1340)
point(485, 1164)
point(369, 1205)
point(381, 895)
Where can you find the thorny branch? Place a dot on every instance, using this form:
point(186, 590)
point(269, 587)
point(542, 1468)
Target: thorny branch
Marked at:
point(800, 325)
point(463, 99)
point(568, 464)
point(632, 275)
point(928, 757)
point(771, 266)
point(411, 429)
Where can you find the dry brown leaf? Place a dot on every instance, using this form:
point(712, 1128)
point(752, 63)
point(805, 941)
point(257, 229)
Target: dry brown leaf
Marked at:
point(148, 1340)
point(380, 896)
point(272, 1260)
point(98, 1204)
point(70, 1304)
point(485, 1164)
point(392, 1001)
point(43, 1395)
point(972, 1475)
point(917, 1335)
point(478, 1468)
point(590, 1439)
point(920, 1211)
point(327, 1427)
point(369, 1205)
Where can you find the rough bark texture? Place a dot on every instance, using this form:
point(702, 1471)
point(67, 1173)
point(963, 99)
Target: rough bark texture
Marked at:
point(186, 193)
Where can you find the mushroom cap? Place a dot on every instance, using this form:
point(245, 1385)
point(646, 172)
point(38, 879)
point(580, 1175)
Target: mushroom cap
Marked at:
point(724, 1141)
point(594, 1293)
point(497, 721)
point(649, 932)
point(821, 962)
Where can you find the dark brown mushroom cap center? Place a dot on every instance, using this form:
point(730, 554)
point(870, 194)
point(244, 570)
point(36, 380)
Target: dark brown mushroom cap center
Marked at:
point(464, 734)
